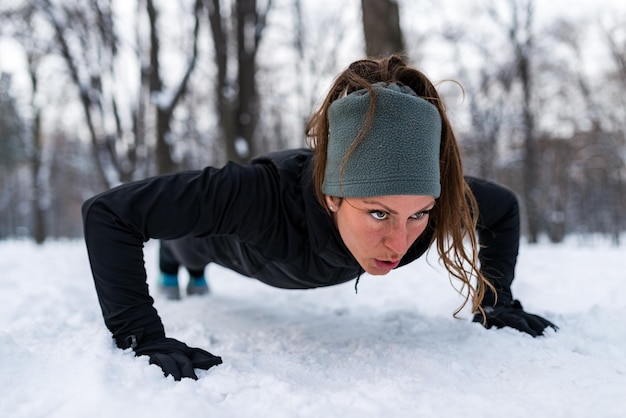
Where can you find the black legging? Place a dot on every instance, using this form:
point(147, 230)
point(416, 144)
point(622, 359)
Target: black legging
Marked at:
point(169, 264)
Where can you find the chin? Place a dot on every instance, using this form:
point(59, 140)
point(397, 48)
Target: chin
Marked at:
point(376, 272)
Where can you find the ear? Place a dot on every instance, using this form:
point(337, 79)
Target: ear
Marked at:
point(332, 203)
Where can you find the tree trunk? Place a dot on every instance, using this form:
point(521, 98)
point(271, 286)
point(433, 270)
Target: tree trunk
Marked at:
point(523, 51)
point(238, 100)
point(381, 26)
point(38, 229)
point(248, 103)
point(165, 105)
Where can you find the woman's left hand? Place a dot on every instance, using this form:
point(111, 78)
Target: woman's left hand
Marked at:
point(512, 314)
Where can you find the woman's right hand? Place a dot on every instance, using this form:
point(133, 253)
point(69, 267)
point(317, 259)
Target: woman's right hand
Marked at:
point(177, 358)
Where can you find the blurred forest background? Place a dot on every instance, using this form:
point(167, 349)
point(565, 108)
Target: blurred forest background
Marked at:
point(94, 93)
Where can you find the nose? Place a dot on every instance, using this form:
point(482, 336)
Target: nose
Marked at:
point(398, 240)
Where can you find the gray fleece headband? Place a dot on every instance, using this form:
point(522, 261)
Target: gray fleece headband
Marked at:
point(399, 155)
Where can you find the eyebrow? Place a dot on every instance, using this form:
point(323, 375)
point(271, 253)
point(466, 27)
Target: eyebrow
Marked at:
point(388, 209)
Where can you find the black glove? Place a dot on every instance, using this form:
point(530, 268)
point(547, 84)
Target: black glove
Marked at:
point(511, 314)
point(177, 358)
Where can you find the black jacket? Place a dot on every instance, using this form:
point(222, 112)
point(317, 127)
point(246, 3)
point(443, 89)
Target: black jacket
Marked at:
point(260, 219)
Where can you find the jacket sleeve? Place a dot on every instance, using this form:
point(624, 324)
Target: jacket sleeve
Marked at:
point(498, 235)
point(119, 221)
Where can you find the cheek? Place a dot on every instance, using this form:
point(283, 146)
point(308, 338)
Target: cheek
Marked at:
point(357, 231)
point(369, 238)
point(418, 230)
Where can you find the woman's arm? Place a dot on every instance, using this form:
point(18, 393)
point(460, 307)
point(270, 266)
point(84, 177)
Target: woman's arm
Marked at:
point(499, 236)
point(119, 221)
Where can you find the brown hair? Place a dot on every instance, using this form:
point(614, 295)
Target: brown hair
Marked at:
point(455, 215)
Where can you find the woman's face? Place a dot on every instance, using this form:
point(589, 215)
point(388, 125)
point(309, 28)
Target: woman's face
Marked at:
point(378, 231)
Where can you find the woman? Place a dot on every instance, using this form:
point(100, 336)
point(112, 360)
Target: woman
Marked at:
point(382, 182)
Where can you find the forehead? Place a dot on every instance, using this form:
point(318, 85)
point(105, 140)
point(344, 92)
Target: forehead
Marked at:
point(398, 203)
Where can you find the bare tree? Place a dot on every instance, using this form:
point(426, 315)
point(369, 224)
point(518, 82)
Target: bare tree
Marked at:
point(167, 102)
point(521, 36)
point(237, 97)
point(84, 38)
point(35, 48)
point(12, 156)
point(38, 230)
point(486, 89)
point(590, 180)
point(616, 41)
point(522, 39)
point(315, 69)
point(381, 26)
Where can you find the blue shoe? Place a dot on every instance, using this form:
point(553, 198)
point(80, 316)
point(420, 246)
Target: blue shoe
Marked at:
point(168, 286)
point(197, 286)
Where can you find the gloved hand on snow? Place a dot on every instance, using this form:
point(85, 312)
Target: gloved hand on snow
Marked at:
point(512, 314)
point(177, 358)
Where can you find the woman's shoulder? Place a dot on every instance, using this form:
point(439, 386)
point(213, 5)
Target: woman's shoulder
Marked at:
point(292, 161)
point(291, 172)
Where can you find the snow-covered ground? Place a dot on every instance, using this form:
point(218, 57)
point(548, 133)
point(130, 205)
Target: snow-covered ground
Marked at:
point(392, 350)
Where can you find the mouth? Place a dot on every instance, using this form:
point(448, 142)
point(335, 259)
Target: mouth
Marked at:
point(386, 264)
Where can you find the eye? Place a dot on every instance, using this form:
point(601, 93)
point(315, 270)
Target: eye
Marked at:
point(378, 214)
point(421, 215)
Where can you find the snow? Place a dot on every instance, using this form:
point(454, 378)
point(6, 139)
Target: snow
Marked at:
point(393, 349)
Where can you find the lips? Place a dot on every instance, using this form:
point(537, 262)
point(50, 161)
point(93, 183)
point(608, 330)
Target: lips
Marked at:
point(386, 264)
